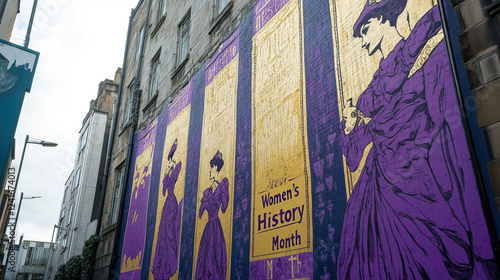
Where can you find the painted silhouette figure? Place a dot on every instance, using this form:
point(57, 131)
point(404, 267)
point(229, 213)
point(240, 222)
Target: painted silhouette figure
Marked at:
point(167, 243)
point(407, 217)
point(212, 256)
point(136, 219)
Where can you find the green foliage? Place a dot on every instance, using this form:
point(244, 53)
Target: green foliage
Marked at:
point(71, 270)
point(79, 267)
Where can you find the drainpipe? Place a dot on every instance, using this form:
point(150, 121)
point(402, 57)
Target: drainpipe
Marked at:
point(135, 117)
point(482, 193)
point(111, 138)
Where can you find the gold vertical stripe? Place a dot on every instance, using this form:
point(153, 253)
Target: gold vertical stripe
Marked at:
point(280, 156)
point(218, 134)
point(180, 131)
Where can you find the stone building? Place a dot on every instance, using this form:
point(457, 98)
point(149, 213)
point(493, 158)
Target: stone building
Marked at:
point(479, 45)
point(8, 13)
point(265, 94)
point(78, 218)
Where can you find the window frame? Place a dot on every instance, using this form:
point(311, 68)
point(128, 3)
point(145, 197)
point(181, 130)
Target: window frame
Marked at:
point(138, 44)
point(70, 215)
point(129, 102)
point(162, 10)
point(220, 5)
point(184, 36)
point(76, 179)
point(155, 76)
point(113, 213)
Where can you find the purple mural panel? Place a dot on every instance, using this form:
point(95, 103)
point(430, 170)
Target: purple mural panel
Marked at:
point(181, 101)
point(298, 266)
point(135, 232)
point(226, 52)
point(264, 11)
point(415, 212)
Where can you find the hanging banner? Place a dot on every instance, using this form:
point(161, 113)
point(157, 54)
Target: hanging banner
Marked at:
point(135, 231)
point(214, 211)
point(166, 243)
point(414, 208)
point(281, 228)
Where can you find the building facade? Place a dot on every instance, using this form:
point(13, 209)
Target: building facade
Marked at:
point(323, 139)
point(78, 218)
point(31, 261)
point(8, 13)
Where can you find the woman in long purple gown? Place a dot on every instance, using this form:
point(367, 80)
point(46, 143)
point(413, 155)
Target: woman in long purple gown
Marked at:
point(212, 256)
point(167, 243)
point(407, 217)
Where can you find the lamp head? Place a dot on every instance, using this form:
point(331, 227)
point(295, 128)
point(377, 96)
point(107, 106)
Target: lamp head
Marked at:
point(48, 144)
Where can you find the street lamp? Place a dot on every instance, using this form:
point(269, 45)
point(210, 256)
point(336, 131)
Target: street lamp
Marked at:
point(51, 254)
point(30, 141)
point(13, 193)
point(27, 141)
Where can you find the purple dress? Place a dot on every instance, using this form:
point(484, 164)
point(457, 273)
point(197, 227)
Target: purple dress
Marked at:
point(167, 244)
point(407, 217)
point(212, 256)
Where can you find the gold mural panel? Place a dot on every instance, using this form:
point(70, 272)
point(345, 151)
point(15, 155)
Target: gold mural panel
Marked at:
point(218, 140)
point(281, 202)
point(176, 134)
point(354, 67)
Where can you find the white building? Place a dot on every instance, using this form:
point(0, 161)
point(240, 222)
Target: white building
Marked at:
point(30, 261)
point(77, 220)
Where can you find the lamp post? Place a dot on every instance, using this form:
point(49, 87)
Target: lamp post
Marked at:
point(13, 193)
point(48, 270)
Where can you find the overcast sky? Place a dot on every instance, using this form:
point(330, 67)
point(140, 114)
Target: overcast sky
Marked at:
point(81, 43)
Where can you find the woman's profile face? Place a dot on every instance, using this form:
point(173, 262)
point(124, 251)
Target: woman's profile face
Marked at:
point(372, 34)
point(213, 171)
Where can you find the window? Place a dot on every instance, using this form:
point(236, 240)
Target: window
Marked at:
point(62, 217)
point(65, 193)
point(183, 50)
point(82, 142)
point(116, 196)
point(221, 4)
point(155, 65)
point(76, 179)
point(130, 101)
point(37, 256)
point(70, 214)
point(162, 9)
point(138, 45)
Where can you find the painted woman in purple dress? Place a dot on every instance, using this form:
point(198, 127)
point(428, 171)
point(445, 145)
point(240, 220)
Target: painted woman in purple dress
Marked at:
point(167, 244)
point(212, 256)
point(407, 217)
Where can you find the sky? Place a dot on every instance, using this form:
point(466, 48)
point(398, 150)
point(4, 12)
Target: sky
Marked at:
point(81, 43)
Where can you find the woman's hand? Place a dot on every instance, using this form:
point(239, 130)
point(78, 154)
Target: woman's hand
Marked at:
point(350, 115)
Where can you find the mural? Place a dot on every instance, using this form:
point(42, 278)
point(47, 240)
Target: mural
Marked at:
point(135, 232)
point(213, 235)
point(281, 230)
point(322, 140)
point(165, 260)
point(408, 214)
